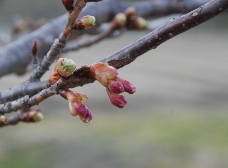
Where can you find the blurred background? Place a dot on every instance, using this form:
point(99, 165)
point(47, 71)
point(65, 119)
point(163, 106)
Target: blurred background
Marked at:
point(177, 118)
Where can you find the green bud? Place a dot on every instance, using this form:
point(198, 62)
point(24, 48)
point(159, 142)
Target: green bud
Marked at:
point(141, 23)
point(88, 21)
point(65, 67)
point(3, 120)
point(84, 23)
point(37, 117)
point(121, 19)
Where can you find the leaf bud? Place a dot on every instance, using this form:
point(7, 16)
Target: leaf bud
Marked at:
point(120, 19)
point(140, 23)
point(32, 116)
point(84, 23)
point(3, 120)
point(65, 67)
point(130, 11)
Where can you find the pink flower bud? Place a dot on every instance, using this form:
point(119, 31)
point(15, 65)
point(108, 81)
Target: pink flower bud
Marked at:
point(117, 99)
point(81, 110)
point(76, 104)
point(103, 72)
point(130, 11)
point(128, 87)
point(115, 86)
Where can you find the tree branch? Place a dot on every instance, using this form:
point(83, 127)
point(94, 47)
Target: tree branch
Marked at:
point(127, 54)
point(160, 35)
point(15, 57)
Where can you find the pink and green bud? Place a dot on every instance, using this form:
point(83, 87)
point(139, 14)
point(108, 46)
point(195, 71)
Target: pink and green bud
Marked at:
point(76, 104)
point(103, 72)
point(38, 117)
point(32, 116)
point(65, 67)
point(120, 19)
point(3, 120)
point(73, 96)
point(81, 110)
point(84, 23)
point(117, 99)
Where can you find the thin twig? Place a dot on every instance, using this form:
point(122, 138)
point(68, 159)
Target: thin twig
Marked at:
point(59, 43)
point(13, 119)
point(26, 102)
point(76, 45)
point(26, 116)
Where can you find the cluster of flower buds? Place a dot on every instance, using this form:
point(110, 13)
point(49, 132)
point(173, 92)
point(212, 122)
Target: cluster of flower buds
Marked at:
point(85, 22)
point(63, 68)
point(134, 21)
point(108, 77)
point(3, 120)
point(76, 104)
point(32, 116)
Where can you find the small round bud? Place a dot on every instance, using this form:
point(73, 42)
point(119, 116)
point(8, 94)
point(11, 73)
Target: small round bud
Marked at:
point(65, 67)
point(140, 23)
point(32, 116)
point(120, 19)
point(3, 120)
point(84, 23)
point(130, 11)
point(38, 117)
